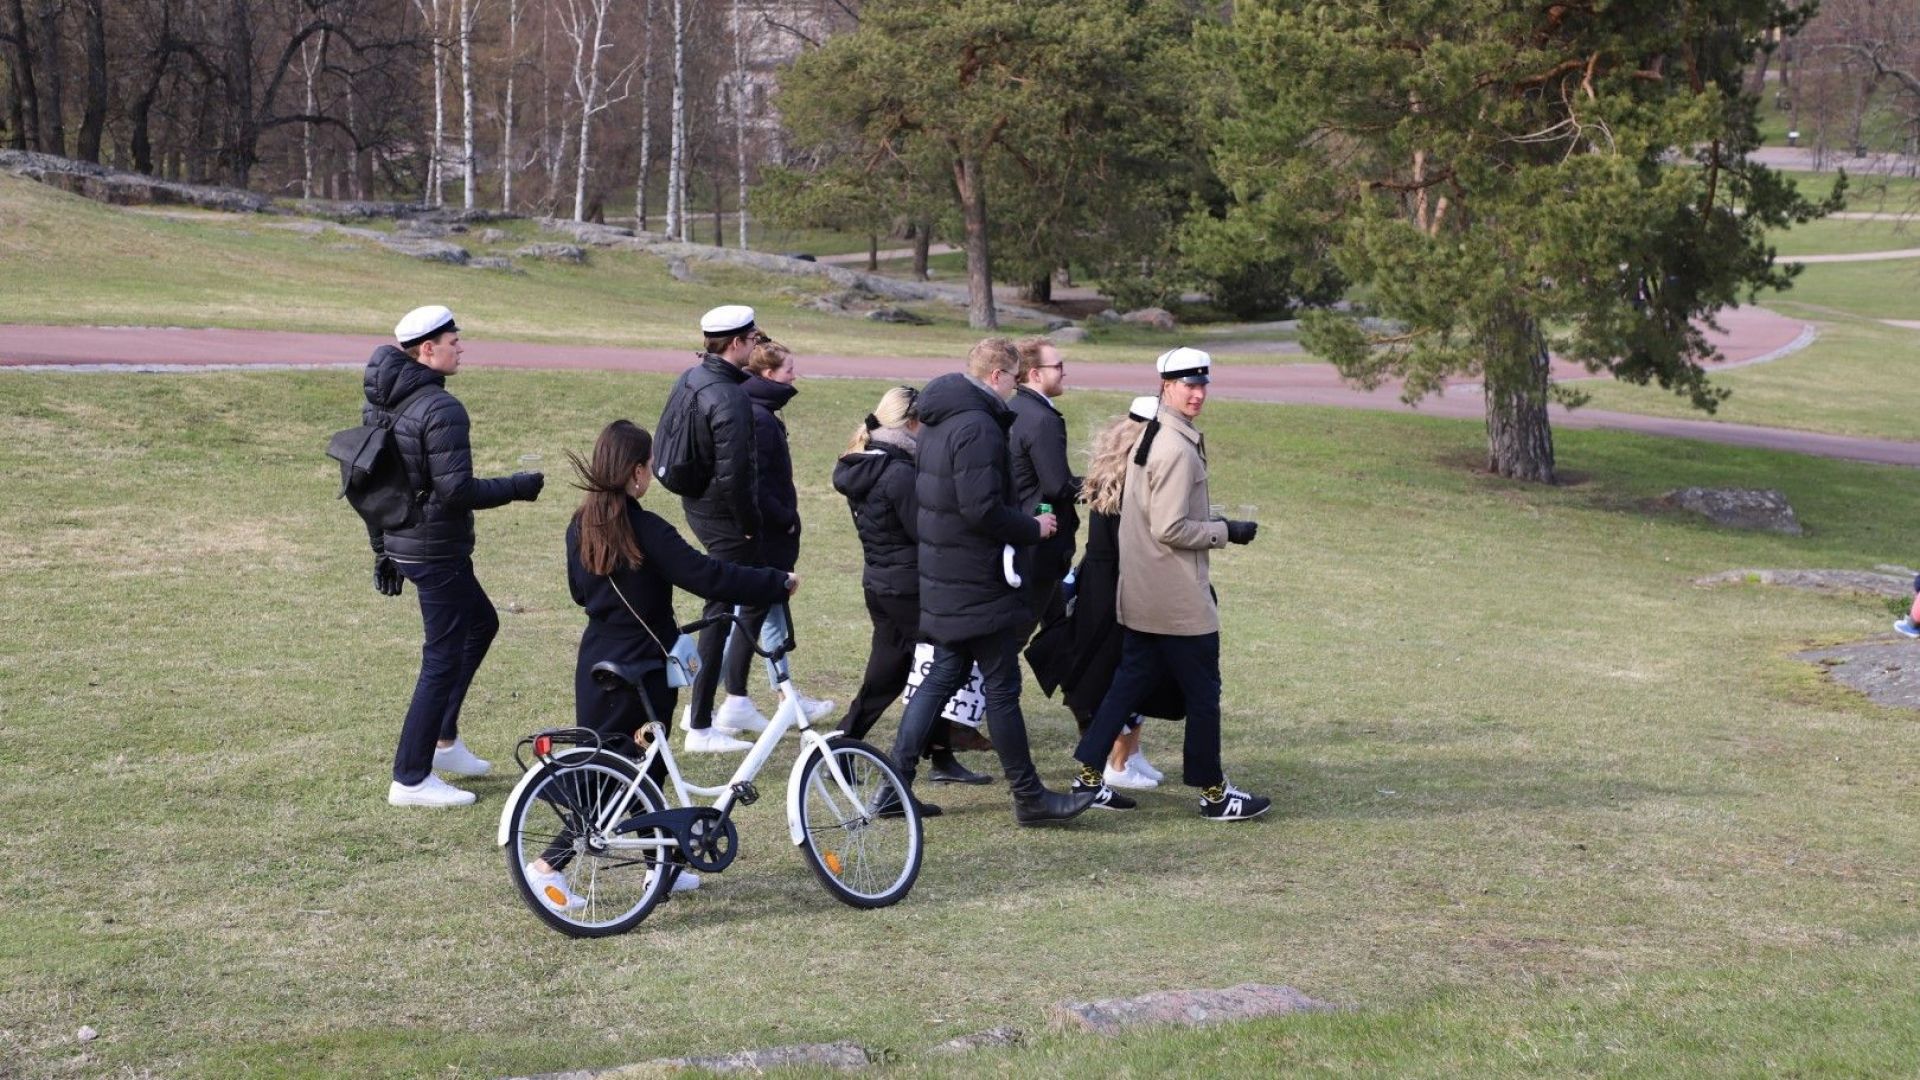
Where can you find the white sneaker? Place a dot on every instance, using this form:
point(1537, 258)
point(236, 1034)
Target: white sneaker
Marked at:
point(432, 791)
point(457, 760)
point(551, 888)
point(814, 708)
point(687, 881)
point(737, 714)
point(1128, 778)
point(713, 741)
point(1138, 763)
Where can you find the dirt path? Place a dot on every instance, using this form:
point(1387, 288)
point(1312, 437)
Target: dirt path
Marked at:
point(1750, 335)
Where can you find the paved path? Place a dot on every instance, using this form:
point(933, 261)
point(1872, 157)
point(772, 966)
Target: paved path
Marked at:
point(1751, 335)
point(1858, 256)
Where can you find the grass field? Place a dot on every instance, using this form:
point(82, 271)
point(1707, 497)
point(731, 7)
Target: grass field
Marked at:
point(1845, 236)
point(1543, 806)
point(64, 260)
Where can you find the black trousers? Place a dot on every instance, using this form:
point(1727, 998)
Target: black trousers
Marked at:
point(998, 655)
point(1146, 660)
point(781, 553)
point(460, 623)
point(723, 541)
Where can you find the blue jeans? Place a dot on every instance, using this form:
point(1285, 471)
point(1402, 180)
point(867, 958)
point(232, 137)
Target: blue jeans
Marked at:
point(460, 623)
point(998, 655)
point(1145, 660)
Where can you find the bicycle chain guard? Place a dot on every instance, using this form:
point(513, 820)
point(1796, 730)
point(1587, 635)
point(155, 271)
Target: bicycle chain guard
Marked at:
point(708, 839)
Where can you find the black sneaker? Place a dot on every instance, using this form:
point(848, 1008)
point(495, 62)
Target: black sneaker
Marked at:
point(888, 806)
point(1104, 797)
point(1234, 805)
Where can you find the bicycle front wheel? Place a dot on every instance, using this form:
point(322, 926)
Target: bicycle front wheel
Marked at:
point(608, 884)
point(862, 858)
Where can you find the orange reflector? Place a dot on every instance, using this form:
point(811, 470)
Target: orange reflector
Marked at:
point(542, 745)
point(832, 861)
point(555, 894)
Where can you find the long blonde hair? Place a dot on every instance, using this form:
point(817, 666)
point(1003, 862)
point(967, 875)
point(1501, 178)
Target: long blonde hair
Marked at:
point(897, 406)
point(1107, 465)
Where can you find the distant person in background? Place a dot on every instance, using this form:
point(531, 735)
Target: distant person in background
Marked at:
point(405, 387)
point(876, 474)
point(1910, 625)
point(770, 376)
point(1037, 443)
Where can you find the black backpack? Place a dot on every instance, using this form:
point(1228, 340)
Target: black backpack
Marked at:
point(373, 479)
point(682, 445)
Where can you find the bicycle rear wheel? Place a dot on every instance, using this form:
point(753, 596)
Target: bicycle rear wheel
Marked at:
point(863, 859)
point(554, 819)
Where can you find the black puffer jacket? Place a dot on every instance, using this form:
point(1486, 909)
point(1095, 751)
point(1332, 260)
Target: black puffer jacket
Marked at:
point(432, 438)
point(773, 462)
point(1038, 444)
point(878, 483)
point(724, 421)
point(967, 513)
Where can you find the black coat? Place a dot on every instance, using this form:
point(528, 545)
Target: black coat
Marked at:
point(1038, 445)
point(724, 421)
point(967, 513)
point(773, 465)
point(879, 485)
point(432, 440)
point(666, 561)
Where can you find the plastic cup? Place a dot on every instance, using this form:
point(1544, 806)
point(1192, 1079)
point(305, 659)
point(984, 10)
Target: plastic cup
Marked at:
point(1248, 512)
point(1216, 511)
point(529, 461)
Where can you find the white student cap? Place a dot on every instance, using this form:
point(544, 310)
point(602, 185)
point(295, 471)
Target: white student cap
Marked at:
point(727, 319)
point(1144, 407)
point(422, 323)
point(1188, 365)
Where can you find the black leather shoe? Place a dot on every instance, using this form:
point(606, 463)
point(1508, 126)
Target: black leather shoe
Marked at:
point(1050, 806)
point(946, 769)
point(889, 806)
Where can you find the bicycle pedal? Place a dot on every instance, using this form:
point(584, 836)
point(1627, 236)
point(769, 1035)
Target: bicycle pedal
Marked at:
point(746, 793)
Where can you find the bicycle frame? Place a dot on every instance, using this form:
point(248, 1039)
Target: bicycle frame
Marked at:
point(789, 716)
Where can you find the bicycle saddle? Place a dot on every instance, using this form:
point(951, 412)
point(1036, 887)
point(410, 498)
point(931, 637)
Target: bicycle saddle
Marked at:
point(615, 674)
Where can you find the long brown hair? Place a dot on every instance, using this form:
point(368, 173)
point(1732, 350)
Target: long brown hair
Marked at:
point(607, 542)
point(1107, 465)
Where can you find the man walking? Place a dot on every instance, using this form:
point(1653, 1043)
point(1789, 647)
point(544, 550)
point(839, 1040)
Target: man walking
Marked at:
point(971, 606)
point(1166, 605)
point(1038, 445)
point(708, 399)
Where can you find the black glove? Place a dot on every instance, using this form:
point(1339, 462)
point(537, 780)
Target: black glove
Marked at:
point(386, 576)
point(527, 485)
point(1241, 532)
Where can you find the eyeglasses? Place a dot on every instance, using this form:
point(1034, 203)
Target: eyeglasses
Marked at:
point(1061, 366)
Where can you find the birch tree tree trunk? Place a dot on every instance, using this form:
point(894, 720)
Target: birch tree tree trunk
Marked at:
point(677, 153)
point(469, 10)
point(312, 56)
point(740, 122)
point(436, 170)
point(507, 162)
point(646, 116)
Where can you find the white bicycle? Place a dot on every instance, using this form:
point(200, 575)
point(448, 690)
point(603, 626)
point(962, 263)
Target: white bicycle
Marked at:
point(592, 814)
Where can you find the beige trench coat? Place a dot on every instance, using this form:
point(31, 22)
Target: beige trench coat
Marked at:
point(1165, 535)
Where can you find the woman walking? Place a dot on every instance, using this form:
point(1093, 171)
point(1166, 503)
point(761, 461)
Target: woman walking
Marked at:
point(405, 387)
point(769, 386)
point(623, 563)
point(876, 474)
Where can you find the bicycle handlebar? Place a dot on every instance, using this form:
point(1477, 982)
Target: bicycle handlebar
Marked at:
point(786, 646)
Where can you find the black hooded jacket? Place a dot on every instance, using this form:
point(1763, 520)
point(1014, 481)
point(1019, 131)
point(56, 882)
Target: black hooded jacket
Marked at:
point(773, 462)
point(432, 439)
point(878, 483)
point(967, 513)
point(723, 417)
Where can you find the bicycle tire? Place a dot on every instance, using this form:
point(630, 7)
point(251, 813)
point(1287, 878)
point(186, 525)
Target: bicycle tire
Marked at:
point(618, 890)
point(862, 859)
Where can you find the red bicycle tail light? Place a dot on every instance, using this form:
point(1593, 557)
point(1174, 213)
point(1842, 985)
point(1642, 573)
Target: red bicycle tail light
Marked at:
point(542, 745)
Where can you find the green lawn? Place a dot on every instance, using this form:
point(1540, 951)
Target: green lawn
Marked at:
point(1542, 805)
point(1846, 236)
point(65, 260)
